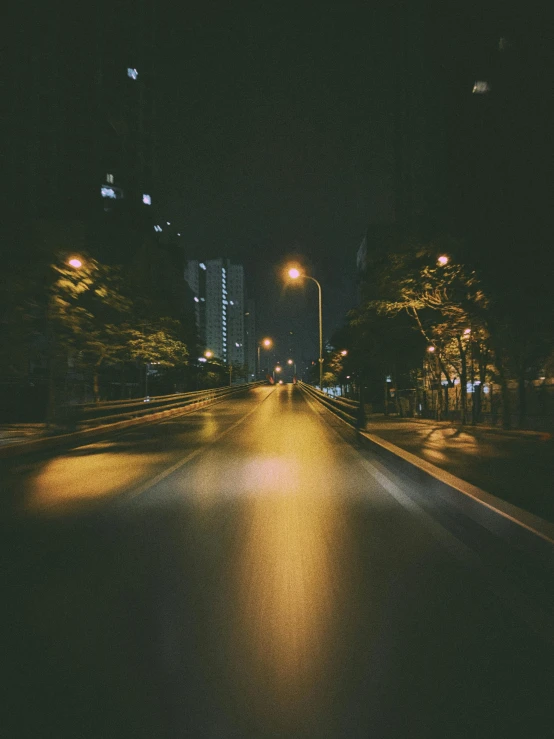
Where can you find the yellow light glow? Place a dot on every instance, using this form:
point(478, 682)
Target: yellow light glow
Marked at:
point(431, 349)
point(343, 353)
point(278, 369)
point(290, 361)
point(208, 353)
point(443, 260)
point(267, 343)
point(294, 273)
point(75, 262)
point(467, 332)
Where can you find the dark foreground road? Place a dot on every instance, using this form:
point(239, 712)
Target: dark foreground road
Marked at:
point(246, 571)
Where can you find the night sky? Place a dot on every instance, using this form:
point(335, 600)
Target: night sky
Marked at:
point(275, 142)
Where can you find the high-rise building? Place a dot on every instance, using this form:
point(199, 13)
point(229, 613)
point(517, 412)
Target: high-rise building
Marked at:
point(218, 293)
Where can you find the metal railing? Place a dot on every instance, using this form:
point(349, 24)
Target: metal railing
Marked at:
point(348, 410)
point(87, 415)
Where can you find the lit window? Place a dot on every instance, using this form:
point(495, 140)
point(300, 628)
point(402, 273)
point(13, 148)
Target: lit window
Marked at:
point(109, 178)
point(146, 199)
point(108, 192)
point(132, 73)
point(196, 299)
point(231, 302)
point(157, 229)
point(480, 87)
point(202, 265)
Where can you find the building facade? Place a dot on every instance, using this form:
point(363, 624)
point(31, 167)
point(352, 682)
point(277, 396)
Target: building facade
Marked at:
point(218, 293)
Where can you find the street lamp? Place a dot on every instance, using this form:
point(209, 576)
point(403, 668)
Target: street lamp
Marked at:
point(208, 353)
point(267, 344)
point(443, 260)
point(75, 262)
point(295, 274)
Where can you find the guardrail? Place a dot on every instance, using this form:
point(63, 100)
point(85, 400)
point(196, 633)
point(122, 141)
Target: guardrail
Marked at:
point(348, 410)
point(106, 412)
point(124, 414)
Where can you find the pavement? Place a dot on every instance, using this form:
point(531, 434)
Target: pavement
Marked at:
point(516, 466)
point(249, 571)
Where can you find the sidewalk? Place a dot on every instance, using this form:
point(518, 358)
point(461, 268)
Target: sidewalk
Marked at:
point(516, 466)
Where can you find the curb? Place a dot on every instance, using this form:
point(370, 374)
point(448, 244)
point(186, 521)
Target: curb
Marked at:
point(507, 521)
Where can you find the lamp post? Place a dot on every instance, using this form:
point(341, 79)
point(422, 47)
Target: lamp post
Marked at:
point(267, 344)
point(76, 263)
point(295, 274)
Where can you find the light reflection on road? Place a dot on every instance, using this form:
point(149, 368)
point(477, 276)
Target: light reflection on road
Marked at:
point(286, 599)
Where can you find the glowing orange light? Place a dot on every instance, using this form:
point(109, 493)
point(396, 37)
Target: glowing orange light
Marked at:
point(208, 353)
point(294, 273)
point(443, 260)
point(290, 361)
point(344, 353)
point(267, 343)
point(75, 262)
point(431, 349)
point(278, 369)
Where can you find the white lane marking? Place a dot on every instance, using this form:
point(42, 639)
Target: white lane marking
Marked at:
point(134, 493)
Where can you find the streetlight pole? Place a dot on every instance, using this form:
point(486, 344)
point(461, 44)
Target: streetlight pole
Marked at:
point(267, 344)
point(295, 274)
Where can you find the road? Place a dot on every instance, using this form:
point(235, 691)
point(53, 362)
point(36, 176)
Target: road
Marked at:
point(248, 571)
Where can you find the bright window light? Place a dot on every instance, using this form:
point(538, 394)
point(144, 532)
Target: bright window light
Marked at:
point(132, 73)
point(480, 87)
point(146, 199)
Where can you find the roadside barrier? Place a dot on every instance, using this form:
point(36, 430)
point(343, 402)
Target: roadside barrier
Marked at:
point(96, 420)
point(348, 410)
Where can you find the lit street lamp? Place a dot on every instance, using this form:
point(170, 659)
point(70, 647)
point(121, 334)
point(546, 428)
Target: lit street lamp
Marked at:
point(267, 344)
point(52, 410)
point(295, 274)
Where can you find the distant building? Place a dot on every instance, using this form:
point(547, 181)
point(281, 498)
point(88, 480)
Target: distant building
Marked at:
point(218, 293)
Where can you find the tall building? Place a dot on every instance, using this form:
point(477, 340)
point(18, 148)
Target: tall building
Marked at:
point(218, 290)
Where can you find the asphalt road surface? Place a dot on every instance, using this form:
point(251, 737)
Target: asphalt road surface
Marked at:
point(248, 571)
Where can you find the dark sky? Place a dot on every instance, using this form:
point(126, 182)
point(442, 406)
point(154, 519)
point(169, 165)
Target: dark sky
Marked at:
point(274, 140)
